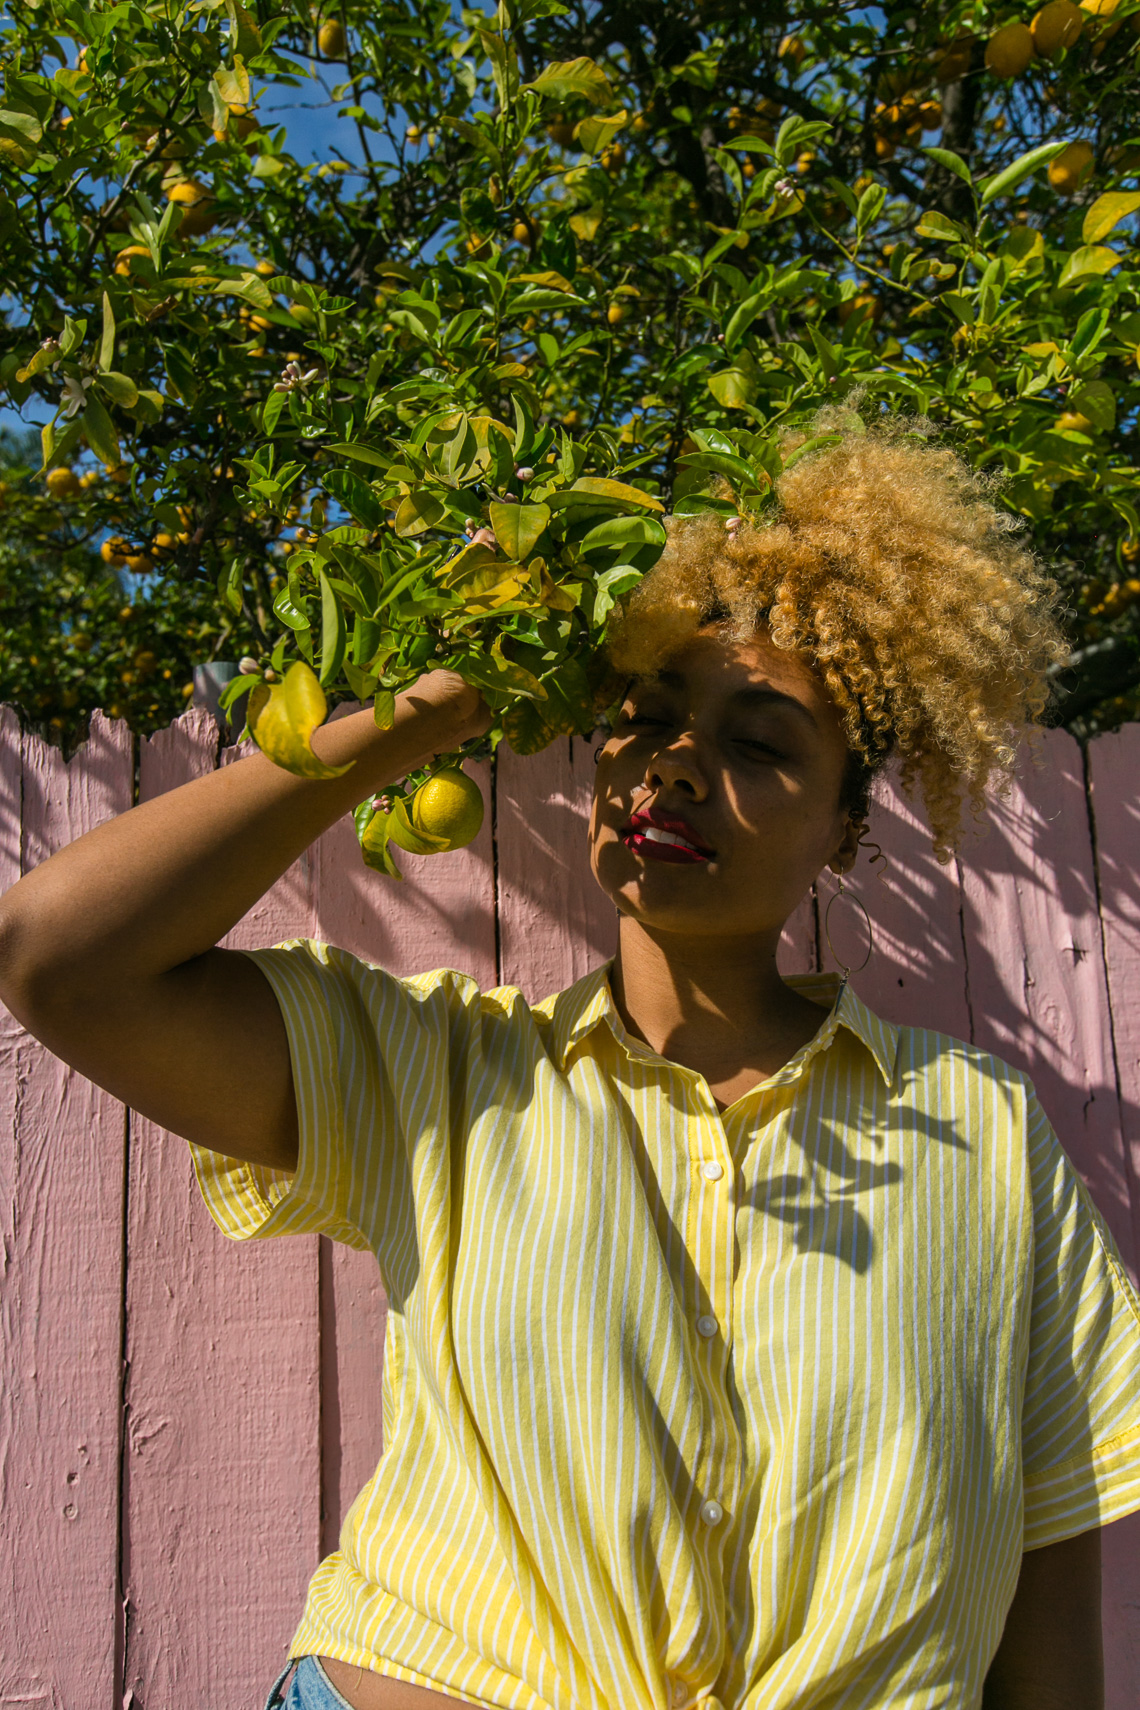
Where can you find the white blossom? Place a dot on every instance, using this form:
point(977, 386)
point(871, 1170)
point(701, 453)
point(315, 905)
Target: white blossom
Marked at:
point(73, 398)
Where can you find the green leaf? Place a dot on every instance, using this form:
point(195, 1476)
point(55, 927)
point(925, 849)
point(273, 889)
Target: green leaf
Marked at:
point(477, 139)
point(418, 512)
point(357, 496)
point(952, 162)
point(518, 527)
point(733, 387)
point(1107, 212)
point(609, 588)
point(1097, 402)
point(72, 336)
point(870, 205)
point(593, 133)
point(290, 615)
point(384, 709)
point(120, 388)
point(936, 225)
point(525, 728)
point(374, 846)
point(960, 305)
point(1089, 262)
point(245, 37)
point(501, 676)
point(107, 341)
point(624, 531)
point(362, 453)
point(271, 411)
point(333, 633)
point(742, 317)
point(1013, 174)
point(403, 832)
point(601, 487)
point(566, 77)
point(57, 450)
point(101, 434)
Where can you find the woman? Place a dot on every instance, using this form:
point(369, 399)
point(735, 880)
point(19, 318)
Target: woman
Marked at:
point(744, 1349)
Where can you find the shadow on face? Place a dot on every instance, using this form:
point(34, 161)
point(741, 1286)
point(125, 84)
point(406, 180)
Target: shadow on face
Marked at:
point(718, 795)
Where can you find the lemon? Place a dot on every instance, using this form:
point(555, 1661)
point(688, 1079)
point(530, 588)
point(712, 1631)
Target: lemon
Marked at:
point(1010, 51)
point(331, 39)
point(450, 805)
point(62, 483)
point(1067, 169)
point(1056, 27)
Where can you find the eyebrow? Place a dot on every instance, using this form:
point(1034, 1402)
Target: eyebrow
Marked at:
point(745, 697)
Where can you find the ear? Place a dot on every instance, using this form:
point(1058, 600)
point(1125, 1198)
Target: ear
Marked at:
point(845, 855)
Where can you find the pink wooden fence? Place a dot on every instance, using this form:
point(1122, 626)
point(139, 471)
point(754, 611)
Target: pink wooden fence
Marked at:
point(183, 1422)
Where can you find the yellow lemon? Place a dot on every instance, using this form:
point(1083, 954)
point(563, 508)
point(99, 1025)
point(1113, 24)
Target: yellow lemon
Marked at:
point(62, 483)
point(1010, 51)
point(1070, 166)
point(450, 805)
point(331, 39)
point(1056, 27)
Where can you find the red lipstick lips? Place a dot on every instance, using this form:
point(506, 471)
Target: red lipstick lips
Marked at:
point(658, 836)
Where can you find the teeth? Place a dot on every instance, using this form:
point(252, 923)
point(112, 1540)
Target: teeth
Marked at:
point(653, 834)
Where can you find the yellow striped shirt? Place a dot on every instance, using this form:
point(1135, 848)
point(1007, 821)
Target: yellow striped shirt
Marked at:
point(756, 1409)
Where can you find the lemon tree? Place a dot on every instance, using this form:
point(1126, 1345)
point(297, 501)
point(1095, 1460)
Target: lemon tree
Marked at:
point(565, 269)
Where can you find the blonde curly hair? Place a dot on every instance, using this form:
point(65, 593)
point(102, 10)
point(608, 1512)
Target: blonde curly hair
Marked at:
point(887, 566)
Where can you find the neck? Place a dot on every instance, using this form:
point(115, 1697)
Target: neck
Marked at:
point(716, 1005)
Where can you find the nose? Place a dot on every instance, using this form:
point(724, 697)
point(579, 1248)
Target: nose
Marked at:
point(677, 766)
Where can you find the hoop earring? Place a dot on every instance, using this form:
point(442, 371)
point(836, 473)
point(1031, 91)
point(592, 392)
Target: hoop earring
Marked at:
point(847, 972)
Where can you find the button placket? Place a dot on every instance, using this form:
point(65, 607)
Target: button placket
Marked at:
point(717, 1475)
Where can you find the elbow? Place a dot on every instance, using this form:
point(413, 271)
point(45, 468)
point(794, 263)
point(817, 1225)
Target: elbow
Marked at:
point(34, 979)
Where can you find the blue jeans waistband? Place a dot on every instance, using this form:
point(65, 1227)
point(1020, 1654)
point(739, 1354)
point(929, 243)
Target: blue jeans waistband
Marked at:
point(310, 1689)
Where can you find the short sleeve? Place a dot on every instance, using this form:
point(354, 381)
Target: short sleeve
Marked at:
point(1080, 1442)
point(370, 1056)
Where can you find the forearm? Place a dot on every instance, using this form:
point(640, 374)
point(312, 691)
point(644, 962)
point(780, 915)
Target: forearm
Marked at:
point(159, 885)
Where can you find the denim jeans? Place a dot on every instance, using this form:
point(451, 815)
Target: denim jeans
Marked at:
point(310, 1689)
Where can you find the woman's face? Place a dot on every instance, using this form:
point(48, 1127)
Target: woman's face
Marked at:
point(717, 799)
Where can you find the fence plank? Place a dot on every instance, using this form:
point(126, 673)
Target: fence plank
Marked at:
point(916, 972)
point(1114, 790)
point(442, 915)
point(1114, 779)
point(63, 1156)
point(554, 921)
point(222, 1488)
point(1037, 986)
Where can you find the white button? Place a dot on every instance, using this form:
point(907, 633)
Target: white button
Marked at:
point(680, 1692)
point(711, 1171)
point(707, 1325)
point(712, 1513)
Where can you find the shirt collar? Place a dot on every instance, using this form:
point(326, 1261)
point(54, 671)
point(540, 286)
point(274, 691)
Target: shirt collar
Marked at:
point(575, 1013)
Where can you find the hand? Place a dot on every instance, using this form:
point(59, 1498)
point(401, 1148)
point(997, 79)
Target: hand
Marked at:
point(446, 699)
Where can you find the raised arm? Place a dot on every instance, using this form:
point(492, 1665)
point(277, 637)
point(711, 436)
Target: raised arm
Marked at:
point(107, 950)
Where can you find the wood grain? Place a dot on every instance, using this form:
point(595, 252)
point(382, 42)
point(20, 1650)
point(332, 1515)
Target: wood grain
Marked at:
point(62, 1167)
point(555, 924)
point(1114, 795)
point(916, 972)
point(1035, 965)
point(222, 1467)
